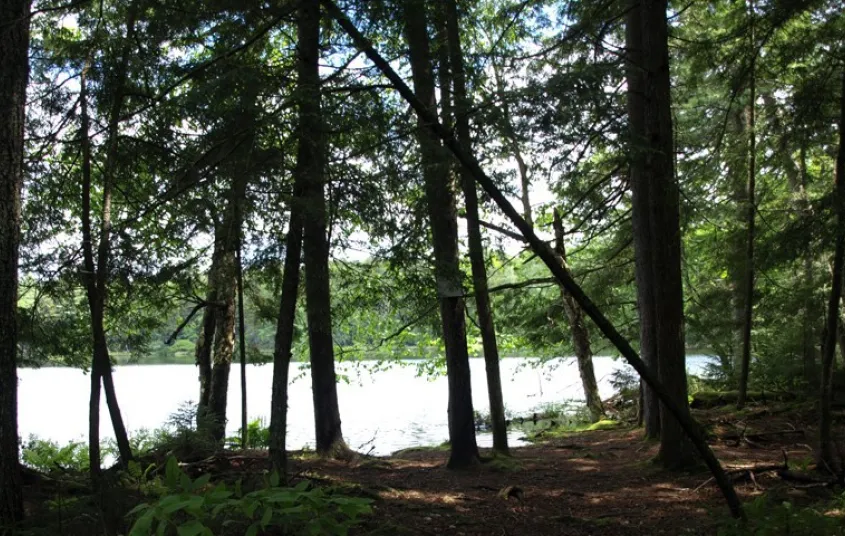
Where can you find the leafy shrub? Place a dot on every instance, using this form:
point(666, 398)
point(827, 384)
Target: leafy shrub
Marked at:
point(767, 518)
point(45, 455)
point(198, 508)
point(185, 435)
point(258, 436)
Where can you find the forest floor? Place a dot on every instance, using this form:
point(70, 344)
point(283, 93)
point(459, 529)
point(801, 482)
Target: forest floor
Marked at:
point(601, 482)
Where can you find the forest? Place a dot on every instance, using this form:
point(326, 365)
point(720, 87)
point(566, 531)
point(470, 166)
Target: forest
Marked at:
point(309, 184)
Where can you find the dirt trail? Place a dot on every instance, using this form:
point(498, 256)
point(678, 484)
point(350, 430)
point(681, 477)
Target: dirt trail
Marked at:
point(589, 483)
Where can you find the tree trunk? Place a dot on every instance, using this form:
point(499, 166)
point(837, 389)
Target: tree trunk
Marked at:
point(826, 440)
point(225, 289)
point(14, 64)
point(476, 247)
point(751, 209)
point(310, 166)
point(96, 276)
point(640, 216)
point(580, 334)
point(242, 348)
point(205, 339)
point(428, 118)
point(665, 229)
point(442, 212)
point(284, 338)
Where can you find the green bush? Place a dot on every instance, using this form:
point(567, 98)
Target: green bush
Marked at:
point(257, 438)
point(45, 455)
point(198, 508)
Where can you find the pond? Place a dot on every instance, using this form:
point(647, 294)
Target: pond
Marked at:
point(382, 409)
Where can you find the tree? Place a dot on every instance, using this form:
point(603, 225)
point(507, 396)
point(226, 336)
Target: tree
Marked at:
point(826, 447)
point(476, 247)
point(442, 214)
point(14, 64)
point(580, 334)
point(315, 245)
point(641, 216)
point(96, 271)
point(285, 331)
point(656, 194)
point(750, 217)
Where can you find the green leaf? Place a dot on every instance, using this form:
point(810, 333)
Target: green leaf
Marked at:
point(191, 528)
point(201, 481)
point(185, 482)
point(252, 530)
point(143, 524)
point(274, 479)
point(171, 472)
point(267, 517)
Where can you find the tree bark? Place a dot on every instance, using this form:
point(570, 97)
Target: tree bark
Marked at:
point(826, 446)
point(640, 214)
point(14, 64)
point(284, 338)
point(665, 230)
point(311, 166)
point(429, 119)
point(751, 210)
point(580, 333)
point(442, 212)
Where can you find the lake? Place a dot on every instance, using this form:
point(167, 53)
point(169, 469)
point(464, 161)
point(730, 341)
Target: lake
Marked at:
point(383, 409)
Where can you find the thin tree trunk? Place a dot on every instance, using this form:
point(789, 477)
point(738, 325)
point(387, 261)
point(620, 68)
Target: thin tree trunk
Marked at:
point(546, 254)
point(284, 338)
point(751, 209)
point(14, 64)
point(826, 447)
point(476, 247)
point(442, 212)
point(242, 348)
point(580, 333)
point(310, 163)
point(640, 216)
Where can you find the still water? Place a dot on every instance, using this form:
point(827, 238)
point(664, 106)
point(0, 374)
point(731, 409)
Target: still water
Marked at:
point(382, 409)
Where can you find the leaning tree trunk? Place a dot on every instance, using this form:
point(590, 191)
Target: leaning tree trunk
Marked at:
point(14, 64)
point(665, 229)
point(750, 217)
point(442, 212)
point(476, 247)
point(310, 164)
point(429, 119)
point(580, 333)
point(826, 447)
point(284, 337)
point(640, 216)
